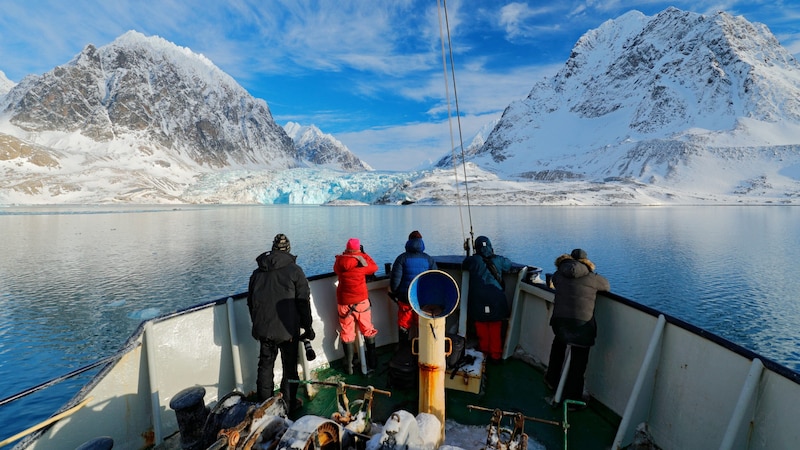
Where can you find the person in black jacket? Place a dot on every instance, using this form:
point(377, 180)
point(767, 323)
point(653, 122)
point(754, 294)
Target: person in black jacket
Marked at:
point(573, 322)
point(487, 303)
point(279, 302)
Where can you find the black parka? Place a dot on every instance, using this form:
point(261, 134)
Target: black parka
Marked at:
point(278, 298)
point(487, 299)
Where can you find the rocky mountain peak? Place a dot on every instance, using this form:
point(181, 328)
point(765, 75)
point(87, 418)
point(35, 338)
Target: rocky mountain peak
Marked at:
point(641, 97)
point(320, 149)
point(164, 97)
point(5, 83)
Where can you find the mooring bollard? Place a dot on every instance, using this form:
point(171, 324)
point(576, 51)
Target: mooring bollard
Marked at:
point(191, 412)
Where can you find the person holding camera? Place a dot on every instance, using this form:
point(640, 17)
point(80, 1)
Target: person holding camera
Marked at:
point(279, 302)
point(353, 304)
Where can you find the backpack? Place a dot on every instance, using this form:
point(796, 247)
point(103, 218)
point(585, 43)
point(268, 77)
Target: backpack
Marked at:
point(457, 349)
point(404, 369)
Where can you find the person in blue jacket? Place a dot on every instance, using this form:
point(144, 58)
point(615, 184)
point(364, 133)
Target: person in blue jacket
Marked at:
point(406, 267)
point(487, 303)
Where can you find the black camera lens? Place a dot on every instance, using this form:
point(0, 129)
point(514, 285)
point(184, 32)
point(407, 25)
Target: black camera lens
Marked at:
point(310, 355)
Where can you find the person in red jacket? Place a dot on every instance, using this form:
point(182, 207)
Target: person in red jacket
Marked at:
point(352, 298)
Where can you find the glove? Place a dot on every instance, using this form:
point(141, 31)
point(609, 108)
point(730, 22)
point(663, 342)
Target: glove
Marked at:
point(309, 334)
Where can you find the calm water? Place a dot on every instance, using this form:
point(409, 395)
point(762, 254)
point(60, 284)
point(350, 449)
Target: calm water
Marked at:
point(75, 282)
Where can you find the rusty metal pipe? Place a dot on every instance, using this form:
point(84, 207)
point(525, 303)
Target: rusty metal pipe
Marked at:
point(433, 295)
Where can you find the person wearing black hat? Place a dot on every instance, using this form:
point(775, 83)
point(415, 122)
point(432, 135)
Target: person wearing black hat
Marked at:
point(406, 267)
point(576, 285)
point(487, 305)
point(279, 302)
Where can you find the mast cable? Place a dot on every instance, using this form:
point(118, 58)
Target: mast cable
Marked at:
point(442, 5)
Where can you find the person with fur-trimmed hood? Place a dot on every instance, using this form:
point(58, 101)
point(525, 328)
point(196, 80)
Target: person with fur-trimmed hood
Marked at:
point(487, 304)
point(406, 267)
point(278, 299)
point(576, 285)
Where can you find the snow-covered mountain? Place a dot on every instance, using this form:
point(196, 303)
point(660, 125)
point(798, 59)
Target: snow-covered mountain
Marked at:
point(135, 120)
point(472, 149)
point(166, 99)
point(703, 103)
point(677, 108)
point(5, 83)
point(321, 149)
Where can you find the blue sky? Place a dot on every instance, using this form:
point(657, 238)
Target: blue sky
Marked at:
point(367, 71)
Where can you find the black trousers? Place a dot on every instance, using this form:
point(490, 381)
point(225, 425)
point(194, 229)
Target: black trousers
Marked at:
point(573, 388)
point(266, 365)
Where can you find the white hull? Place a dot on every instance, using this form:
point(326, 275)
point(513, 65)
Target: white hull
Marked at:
point(694, 390)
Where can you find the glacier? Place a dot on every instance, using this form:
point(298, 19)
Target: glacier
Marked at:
point(301, 186)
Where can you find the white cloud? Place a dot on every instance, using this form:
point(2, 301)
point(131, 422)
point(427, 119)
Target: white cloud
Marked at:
point(516, 17)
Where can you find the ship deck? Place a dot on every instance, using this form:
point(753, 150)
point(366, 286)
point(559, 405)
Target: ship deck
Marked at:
point(513, 386)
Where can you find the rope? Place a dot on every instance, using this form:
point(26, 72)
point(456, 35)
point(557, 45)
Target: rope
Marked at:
point(442, 10)
point(47, 422)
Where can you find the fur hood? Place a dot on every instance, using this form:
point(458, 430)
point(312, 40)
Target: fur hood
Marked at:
point(585, 261)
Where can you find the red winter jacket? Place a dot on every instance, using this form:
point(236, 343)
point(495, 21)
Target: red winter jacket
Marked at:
point(352, 269)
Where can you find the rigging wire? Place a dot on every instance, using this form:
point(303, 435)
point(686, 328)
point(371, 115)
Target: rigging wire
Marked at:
point(442, 6)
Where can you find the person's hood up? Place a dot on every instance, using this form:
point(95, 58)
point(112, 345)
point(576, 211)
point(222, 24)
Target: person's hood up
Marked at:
point(415, 245)
point(586, 261)
point(275, 260)
point(483, 246)
point(572, 268)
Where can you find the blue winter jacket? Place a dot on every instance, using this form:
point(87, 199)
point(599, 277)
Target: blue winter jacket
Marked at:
point(408, 265)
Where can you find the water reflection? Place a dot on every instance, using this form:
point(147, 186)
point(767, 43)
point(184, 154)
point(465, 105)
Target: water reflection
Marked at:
point(73, 286)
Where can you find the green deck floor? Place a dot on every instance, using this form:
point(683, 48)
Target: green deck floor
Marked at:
point(511, 386)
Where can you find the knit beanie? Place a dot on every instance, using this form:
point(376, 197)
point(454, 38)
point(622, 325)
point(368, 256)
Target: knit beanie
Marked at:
point(281, 242)
point(414, 235)
point(353, 245)
point(579, 253)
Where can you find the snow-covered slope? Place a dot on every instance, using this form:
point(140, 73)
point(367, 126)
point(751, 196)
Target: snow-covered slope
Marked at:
point(145, 96)
point(675, 108)
point(320, 149)
point(136, 121)
point(472, 149)
point(5, 84)
point(699, 103)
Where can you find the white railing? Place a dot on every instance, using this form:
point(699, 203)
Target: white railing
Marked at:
point(692, 389)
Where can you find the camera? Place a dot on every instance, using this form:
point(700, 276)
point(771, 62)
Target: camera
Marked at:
point(310, 355)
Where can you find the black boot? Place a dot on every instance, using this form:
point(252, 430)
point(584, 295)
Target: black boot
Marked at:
point(349, 351)
point(403, 339)
point(372, 357)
